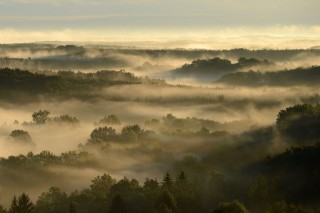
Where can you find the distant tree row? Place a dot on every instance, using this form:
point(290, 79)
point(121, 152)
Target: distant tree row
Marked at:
point(171, 123)
point(216, 67)
point(46, 158)
point(20, 85)
point(298, 77)
point(42, 117)
point(128, 133)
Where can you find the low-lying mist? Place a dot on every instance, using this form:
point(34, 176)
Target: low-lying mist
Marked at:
point(65, 128)
point(157, 63)
point(235, 109)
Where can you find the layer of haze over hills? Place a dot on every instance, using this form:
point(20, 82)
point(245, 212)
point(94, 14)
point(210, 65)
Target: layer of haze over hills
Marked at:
point(236, 120)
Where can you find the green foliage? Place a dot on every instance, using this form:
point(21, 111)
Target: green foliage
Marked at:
point(231, 207)
point(131, 132)
point(297, 172)
point(118, 205)
point(20, 137)
point(216, 67)
point(109, 120)
point(53, 201)
point(105, 194)
point(101, 186)
point(172, 124)
point(24, 204)
point(298, 77)
point(181, 180)
point(67, 119)
point(167, 182)
point(21, 205)
point(103, 134)
point(203, 132)
point(45, 158)
point(166, 202)
point(14, 205)
point(151, 187)
point(26, 86)
point(300, 123)
point(41, 117)
point(131, 192)
point(187, 195)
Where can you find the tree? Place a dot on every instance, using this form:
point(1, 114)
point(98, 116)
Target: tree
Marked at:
point(118, 205)
point(300, 123)
point(131, 192)
point(166, 202)
point(41, 117)
point(231, 207)
point(181, 179)
point(151, 185)
point(109, 120)
point(67, 119)
point(72, 208)
point(103, 134)
point(14, 205)
point(131, 132)
point(187, 195)
point(20, 137)
point(53, 201)
point(167, 181)
point(203, 132)
point(24, 204)
point(151, 191)
point(101, 186)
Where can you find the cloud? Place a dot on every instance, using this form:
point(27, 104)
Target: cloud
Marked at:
point(291, 36)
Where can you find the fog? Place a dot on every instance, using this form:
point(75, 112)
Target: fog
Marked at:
point(153, 62)
point(164, 122)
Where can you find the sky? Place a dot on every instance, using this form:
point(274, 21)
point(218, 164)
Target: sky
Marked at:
point(38, 19)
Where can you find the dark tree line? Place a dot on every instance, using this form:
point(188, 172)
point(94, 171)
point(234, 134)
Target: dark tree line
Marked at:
point(296, 77)
point(21, 85)
point(106, 195)
point(217, 67)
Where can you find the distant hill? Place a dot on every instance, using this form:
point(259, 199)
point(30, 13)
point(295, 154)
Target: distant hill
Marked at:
point(211, 69)
point(315, 48)
point(298, 77)
point(20, 85)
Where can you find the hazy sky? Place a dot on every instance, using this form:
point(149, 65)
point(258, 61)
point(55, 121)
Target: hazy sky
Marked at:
point(149, 15)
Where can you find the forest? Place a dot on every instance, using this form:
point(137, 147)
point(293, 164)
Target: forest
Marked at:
point(90, 128)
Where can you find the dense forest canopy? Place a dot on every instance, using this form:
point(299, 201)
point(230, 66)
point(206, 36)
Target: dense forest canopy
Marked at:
point(297, 77)
point(217, 67)
point(60, 84)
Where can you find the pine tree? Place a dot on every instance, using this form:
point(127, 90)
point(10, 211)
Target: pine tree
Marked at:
point(167, 181)
point(181, 179)
point(24, 204)
point(14, 205)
